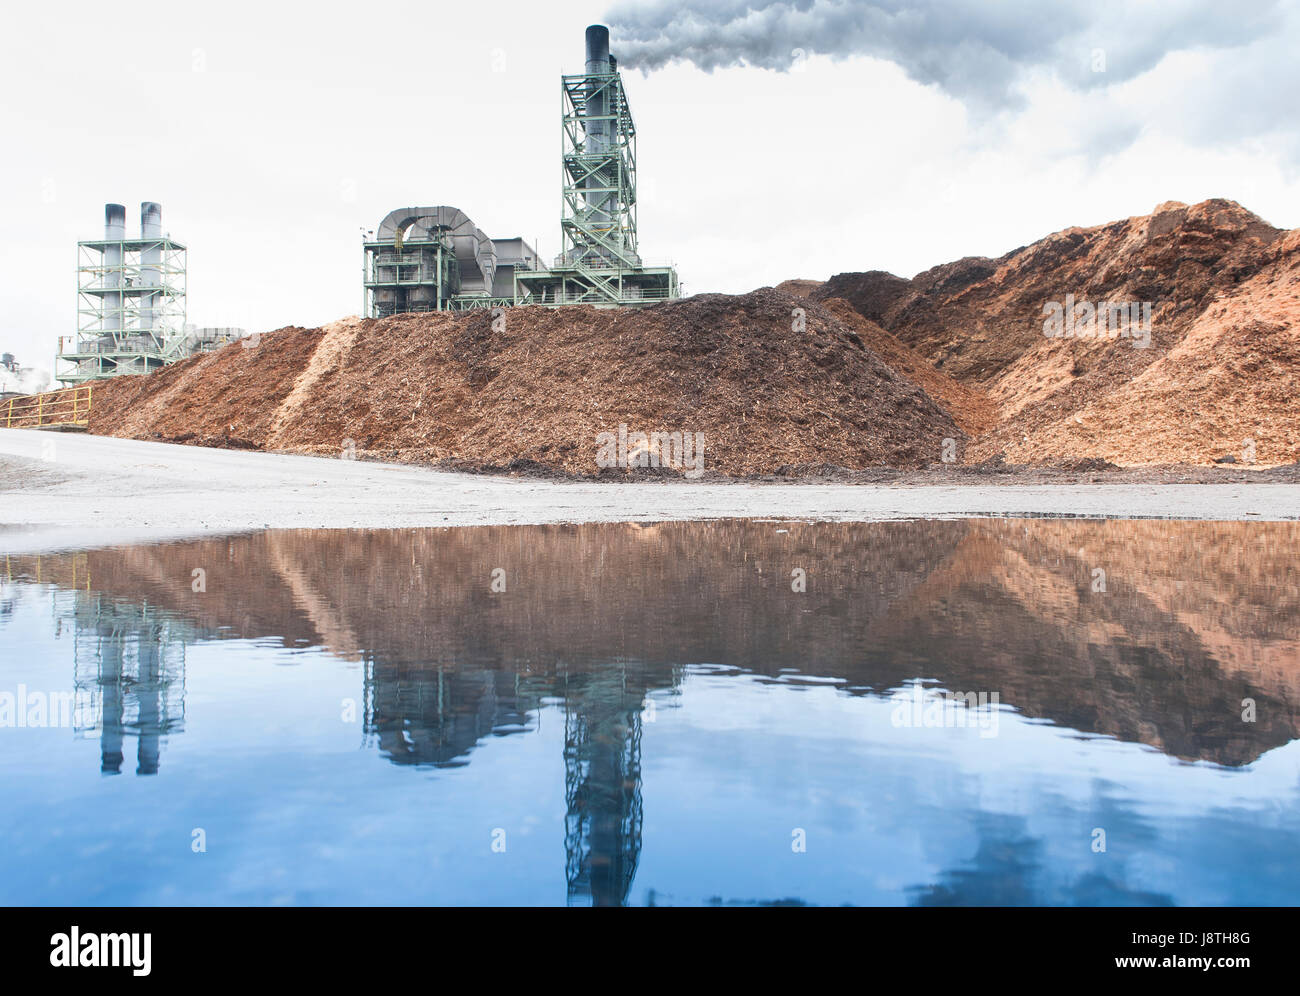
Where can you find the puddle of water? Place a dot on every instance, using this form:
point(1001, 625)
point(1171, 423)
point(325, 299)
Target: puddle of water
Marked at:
point(1009, 712)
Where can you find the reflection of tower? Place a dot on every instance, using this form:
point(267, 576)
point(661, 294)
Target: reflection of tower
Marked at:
point(437, 715)
point(423, 714)
point(129, 677)
point(602, 786)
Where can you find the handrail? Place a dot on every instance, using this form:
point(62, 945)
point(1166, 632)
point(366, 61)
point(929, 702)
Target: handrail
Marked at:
point(68, 406)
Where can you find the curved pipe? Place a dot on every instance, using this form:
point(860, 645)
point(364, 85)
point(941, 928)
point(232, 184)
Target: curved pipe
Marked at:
point(475, 253)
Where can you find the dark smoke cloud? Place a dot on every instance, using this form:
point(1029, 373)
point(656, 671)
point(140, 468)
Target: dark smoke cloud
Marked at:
point(976, 51)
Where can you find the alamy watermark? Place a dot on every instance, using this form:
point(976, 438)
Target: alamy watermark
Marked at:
point(102, 950)
point(937, 708)
point(1073, 319)
point(682, 451)
point(33, 708)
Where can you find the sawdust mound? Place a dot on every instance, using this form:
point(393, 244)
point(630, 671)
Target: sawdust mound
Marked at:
point(972, 409)
point(532, 388)
point(798, 287)
point(875, 294)
point(226, 397)
point(957, 351)
point(1220, 374)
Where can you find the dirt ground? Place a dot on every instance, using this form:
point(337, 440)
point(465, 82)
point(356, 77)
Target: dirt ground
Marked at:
point(104, 491)
point(990, 474)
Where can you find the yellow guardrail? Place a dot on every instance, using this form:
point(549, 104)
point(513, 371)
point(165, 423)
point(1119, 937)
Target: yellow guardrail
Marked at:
point(70, 406)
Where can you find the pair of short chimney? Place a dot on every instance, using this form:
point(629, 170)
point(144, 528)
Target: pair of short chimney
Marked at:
point(115, 221)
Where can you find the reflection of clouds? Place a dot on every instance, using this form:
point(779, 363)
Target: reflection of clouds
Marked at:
point(896, 817)
point(1009, 868)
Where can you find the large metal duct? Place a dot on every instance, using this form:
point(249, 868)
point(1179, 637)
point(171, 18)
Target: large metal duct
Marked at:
point(475, 254)
point(114, 234)
point(150, 258)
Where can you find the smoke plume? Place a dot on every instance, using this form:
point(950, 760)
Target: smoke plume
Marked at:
point(28, 380)
point(975, 50)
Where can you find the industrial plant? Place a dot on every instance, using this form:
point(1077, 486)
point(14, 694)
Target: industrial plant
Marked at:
point(17, 381)
point(131, 291)
point(130, 300)
point(437, 259)
point(131, 303)
point(936, 547)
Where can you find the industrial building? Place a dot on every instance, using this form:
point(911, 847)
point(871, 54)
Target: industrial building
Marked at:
point(437, 259)
point(10, 377)
point(130, 301)
point(131, 292)
point(209, 338)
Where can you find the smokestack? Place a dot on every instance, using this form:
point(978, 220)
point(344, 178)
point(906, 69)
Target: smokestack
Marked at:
point(150, 220)
point(150, 257)
point(114, 231)
point(114, 222)
point(597, 49)
point(595, 128)
point(597, 98)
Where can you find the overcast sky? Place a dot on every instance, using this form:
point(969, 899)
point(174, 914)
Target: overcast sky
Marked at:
point(885, 135)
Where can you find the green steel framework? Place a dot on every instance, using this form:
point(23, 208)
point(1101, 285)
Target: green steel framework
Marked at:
point(598, 261)
point(428, 266)
point(128, 667)
point(399, 266)
point(598, 209)
point(110, 340)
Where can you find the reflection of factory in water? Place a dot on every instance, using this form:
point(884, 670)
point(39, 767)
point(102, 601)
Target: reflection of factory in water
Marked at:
point(446, 669)
point(129, 683)
point(435, 716)
point(129, 680)
point(128, 675)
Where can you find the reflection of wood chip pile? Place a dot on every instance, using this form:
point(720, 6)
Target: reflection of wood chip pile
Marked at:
point(885, 370)
point(1199, 605)
point(542, 385)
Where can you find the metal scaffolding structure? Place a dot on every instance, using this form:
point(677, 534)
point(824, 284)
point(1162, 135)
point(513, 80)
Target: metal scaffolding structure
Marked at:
point(599, 261)
point(602, 785)
point(400, 278)
point(130, 302)
point(436, 259)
